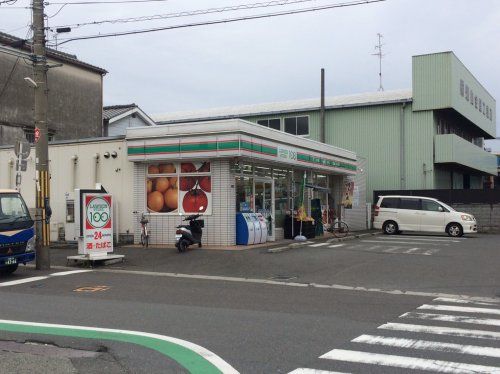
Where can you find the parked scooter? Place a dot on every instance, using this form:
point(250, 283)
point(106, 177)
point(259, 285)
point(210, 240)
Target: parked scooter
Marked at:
point(187, 235)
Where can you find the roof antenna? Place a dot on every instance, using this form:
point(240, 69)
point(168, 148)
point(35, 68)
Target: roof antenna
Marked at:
point(378, 48)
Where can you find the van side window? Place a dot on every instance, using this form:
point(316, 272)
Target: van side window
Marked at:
point(390, 202)
point(430, 206)
point(413, 204)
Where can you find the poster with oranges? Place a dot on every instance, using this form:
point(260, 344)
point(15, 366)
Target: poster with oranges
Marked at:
point(183, 188)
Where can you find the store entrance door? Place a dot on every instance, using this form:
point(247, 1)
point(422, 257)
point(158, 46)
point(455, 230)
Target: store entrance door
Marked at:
point(264, 203)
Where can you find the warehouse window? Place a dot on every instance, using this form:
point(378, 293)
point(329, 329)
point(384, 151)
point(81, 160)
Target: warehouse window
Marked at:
point(274, 123)
point(297, 125)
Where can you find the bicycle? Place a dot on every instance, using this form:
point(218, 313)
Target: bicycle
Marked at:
point(339, 229)
point(144, 229)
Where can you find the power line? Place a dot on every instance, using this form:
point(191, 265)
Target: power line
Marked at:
point(227, 20)
point(105, 2)
point(192, 13)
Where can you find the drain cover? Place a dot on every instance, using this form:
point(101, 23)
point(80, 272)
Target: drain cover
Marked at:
point(283, 277)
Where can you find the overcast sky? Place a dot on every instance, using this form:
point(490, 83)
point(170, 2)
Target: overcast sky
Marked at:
point(272, 59)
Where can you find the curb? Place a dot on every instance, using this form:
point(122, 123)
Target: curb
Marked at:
point(332, 240)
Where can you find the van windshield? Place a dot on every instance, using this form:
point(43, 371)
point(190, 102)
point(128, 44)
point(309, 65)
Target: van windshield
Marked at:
point(447, 207)
point(13, 212)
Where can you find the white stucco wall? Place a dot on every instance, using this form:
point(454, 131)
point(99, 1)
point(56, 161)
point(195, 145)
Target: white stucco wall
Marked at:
point(115, 174)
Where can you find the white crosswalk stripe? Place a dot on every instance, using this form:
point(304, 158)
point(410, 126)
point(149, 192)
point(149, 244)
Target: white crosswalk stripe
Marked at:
point(452, 318)
point(428, 345)
point(462, 309)
point(442, 330)
point(463, 301)
point(408, 362)
point(336, 245)
point(480, 355)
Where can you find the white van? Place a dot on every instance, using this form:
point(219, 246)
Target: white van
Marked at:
point(395, 214)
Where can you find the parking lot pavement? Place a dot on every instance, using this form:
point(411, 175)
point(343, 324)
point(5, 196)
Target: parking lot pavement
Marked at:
point(417, 244)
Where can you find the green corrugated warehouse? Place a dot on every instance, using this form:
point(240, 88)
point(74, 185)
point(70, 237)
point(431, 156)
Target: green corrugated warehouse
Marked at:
point(425, 138)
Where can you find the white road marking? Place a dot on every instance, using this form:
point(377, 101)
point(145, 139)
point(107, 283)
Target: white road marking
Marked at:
point(408, 362)
point(69, 272)
point(430, 236)
point(428, 345)
point(314, 371)
point(336, 245)
point(421, 239)
point(411, 250)
point(450, 318)
point(399, 242)
point(463, 309)
point(319, 244)
point(392, 249)
point(440, 330)
point(295, 284)
point(36, 279)
point(460, 301)
point(21, 281)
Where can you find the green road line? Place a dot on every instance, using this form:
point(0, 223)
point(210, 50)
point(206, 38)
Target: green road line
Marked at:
point(190, 360)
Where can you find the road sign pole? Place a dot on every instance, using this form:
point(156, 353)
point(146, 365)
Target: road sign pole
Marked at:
point(41, 147)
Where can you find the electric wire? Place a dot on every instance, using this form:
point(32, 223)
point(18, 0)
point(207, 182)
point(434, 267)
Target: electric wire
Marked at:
point(220, 21)
point(105, 2)
point(197, 12)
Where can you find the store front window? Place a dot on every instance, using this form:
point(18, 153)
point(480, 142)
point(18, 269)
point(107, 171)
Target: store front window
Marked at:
point(179, 188)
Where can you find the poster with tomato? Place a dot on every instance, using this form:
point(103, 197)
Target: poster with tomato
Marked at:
point(196, 188)
point(184, 188)
point(162, 190)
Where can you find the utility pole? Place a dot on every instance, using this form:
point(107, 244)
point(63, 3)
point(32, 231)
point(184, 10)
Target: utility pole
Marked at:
point(378, 48)
point(41, 138)
point(322, 135)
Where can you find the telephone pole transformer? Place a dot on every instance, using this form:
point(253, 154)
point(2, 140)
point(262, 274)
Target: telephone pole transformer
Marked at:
point(42, 176)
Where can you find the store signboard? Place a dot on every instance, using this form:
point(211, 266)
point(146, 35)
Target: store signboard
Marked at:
point(237, 145)
point(97, 216)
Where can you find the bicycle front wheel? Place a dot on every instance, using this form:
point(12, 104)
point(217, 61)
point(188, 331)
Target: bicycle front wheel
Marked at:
point(340, 229)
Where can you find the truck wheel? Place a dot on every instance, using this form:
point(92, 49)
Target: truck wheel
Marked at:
point(9, 269)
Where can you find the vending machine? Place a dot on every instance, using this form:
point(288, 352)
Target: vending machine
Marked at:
point(257, 228)
point(263, 227)
point(245, 229)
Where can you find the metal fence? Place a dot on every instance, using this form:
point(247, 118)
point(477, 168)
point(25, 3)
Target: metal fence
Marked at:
point(448, 196)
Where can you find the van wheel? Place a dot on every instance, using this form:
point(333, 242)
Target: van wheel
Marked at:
point(454, 229)
point(9, 269)
point(390, 228)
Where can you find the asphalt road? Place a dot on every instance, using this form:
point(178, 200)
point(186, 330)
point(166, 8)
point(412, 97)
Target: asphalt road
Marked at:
point(366, 306)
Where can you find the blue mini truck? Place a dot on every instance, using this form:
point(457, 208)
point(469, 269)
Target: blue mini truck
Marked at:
point(17, 232)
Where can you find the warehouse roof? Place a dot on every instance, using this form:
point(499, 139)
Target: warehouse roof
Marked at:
point(363, 99)
point(25, 45)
